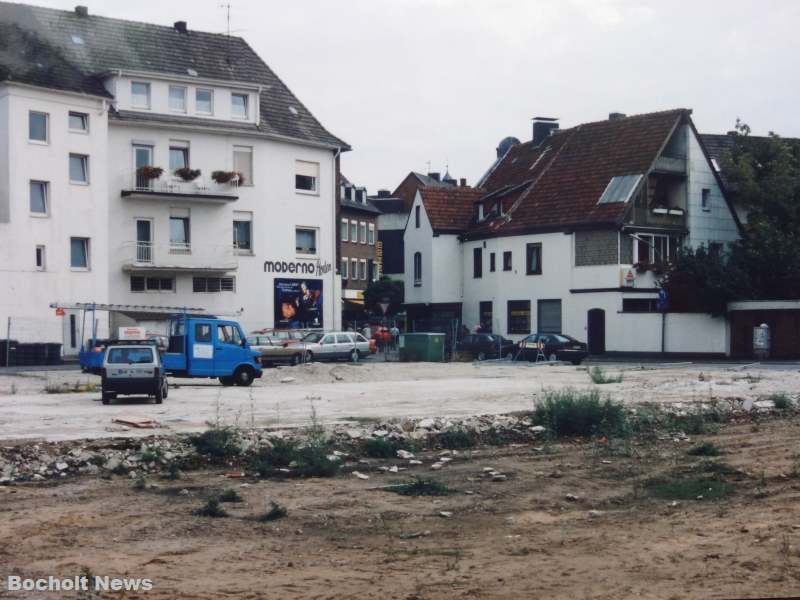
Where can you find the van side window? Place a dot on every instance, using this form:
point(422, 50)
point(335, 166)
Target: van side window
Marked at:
point(228, 334)
point(202, 332)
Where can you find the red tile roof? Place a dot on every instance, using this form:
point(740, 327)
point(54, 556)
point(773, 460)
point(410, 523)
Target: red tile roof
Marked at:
point(566, 175)
point(450, 209)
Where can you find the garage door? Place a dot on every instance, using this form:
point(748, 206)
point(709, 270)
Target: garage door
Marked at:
point(549, 316)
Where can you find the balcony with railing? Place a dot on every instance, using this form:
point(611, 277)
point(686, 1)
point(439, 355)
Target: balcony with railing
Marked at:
point(203, 189)
point(150, 257)
point(670, 165)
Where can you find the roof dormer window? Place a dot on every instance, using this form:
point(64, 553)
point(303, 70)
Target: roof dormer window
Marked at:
point(204, 101)
point(140, 94)
point(239, 108)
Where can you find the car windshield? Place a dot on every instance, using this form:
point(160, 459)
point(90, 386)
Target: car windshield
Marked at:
point(124, 356)
point(313, 338)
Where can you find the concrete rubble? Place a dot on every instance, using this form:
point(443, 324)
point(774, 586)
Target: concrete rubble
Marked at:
point(57, 460)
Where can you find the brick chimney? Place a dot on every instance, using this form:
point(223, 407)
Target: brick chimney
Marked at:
point(82, 11)
point(180, 26)
point(543, 128)
point(462, 182)
point(616, 116)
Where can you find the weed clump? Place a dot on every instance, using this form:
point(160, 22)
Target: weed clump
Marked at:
point(599, 376)
point(275, 512)
point(577, 413)
point(703, 449)
point(696, 488)
point(457, 439)
point(211, 508)
point(383, 448)
point(781, 401)
point(288, 459)
point(218, 443)
point(422, 487)
point(230, 495)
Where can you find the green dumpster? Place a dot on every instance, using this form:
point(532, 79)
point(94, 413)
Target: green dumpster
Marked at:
point(425, 347)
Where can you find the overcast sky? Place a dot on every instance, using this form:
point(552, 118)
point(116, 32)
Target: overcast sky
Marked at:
point(411, 81)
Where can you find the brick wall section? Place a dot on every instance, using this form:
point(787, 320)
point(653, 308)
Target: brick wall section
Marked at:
point(596, 248)
point(349, 249)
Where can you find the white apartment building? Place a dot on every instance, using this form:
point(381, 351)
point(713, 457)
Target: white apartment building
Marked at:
point(568, 232)
point(157, 166)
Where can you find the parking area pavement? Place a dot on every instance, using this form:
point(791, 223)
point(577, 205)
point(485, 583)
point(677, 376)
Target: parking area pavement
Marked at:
point(340, 392)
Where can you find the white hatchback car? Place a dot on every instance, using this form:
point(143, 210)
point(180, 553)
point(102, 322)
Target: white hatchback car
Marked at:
point(336, 345)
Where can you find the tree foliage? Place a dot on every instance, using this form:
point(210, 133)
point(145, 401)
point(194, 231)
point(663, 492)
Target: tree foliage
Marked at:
point(384, 288)
point(763, 177)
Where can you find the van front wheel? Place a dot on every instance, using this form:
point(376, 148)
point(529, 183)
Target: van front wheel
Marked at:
point(243, 376)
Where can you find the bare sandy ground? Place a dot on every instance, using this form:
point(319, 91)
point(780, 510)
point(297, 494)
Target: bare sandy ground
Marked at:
point(571, 521)
point(341, 392)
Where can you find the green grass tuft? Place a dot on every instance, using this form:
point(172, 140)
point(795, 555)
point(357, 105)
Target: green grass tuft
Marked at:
point(457, 439)
point(580, 413)
point(703, 449)
point(275, 512)
point(212, 508)
point(383, 448)
point(781, 401)
point(217, 442)
point(688, 489)
point(230, 495)
point(599, 376)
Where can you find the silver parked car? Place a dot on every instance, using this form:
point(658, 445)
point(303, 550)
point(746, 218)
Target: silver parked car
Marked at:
point(133, 369)
point(336, 345)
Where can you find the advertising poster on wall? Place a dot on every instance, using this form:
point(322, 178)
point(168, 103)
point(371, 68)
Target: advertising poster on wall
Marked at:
point(298, 303)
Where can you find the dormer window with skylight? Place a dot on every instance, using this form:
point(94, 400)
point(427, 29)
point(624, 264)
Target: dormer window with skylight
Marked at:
point(140, 95)
point(204, 102)
point(239, 106)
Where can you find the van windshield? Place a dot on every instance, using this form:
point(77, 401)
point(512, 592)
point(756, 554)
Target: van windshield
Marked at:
point(124, 356)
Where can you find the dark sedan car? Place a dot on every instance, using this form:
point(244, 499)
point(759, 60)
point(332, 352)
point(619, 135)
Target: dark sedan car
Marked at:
point(486, 345)
point(555, 346)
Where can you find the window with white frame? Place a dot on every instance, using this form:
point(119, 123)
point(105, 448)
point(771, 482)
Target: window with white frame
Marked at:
point(140, 94)
point(344, 230)
point(243, 164)
point(38, 198)
point(371, 237)
point(353, 268)
point(362, 269)
point(306, 240)
point(417, 268)
point(344, 267)
point(180, 240)
point(362, 232)
point(38, 127)
point(79, 253)
point(243, 231)
point(213, 284)
point(354, 231)
point(78, 122)
point(239, 108)
point(306, 178)
point(41, 265)
point(204, 101)
point(78, 168)
point(177, 98)
point(655, 249)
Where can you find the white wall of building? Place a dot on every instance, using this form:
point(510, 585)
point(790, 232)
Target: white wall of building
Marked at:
point(74, 210)
point(276, 207)
point(442, 258)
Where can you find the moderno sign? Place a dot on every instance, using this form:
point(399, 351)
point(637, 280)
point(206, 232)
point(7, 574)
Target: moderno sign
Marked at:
point(299, 267)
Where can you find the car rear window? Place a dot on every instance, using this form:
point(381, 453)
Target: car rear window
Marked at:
point(126, 356)
point(361, 338)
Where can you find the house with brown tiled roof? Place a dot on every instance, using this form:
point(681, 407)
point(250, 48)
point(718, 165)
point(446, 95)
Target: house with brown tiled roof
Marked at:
point(569, 233)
